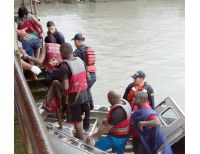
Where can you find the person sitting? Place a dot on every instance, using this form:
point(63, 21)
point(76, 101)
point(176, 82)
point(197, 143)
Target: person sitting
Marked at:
point(117, 125)
point(49, 52)
point(60, 39)
point(33, 28)
point(147, 135)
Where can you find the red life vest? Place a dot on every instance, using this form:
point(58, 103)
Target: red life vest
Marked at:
point(32, 26)
point(78, 81)
point(123, 127)
point(131, 94)
point(90, 60)
point(52, 51)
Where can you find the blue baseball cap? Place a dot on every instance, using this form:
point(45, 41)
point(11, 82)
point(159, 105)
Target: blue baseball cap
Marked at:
point(139, 74)
point(78, 37)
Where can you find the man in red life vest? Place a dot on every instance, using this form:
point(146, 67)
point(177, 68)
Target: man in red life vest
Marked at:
point(117, 125)
point(72, 77)
point(88, 56)
point(139, 84)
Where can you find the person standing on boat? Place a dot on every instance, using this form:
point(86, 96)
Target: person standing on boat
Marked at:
point(73, 77)
point(146, 132)
point(32, 26)
point(88, 56)
point(60, 39)
point(139, 84)
point(117, 125)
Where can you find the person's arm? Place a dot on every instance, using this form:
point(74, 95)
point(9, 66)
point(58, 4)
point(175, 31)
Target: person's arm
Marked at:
point(151, 123)
point(87, 73)
point(39, 60)
point(127, 91)
point(151, 96)
point(78, 53)
point(23, 34)
point(117, 115)
point(37, 22)
point(61, 74)
point(61, 38)
point(32, 68)
point(103, 129)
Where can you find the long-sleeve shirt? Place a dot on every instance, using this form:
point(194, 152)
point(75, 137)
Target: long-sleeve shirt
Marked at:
point(149, 89)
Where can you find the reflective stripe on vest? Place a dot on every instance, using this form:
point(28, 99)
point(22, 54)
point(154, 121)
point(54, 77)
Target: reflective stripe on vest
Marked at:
point(52, 51)
point(78, 81)
point(123, 127)
point(90, 59)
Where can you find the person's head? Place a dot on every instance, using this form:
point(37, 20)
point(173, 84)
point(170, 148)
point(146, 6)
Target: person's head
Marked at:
point(51, 27)
point(78, 39)
point(140, 98)
point(113, 97)
point(50, 39)
point(139, 77)
point(66, 50)
point(22, 11)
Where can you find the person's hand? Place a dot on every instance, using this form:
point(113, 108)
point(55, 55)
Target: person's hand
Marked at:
point(22, 33)
point(36, 70)
point(141, 125)
point(42, 35)
point(88, 76)
point(90, 141)
point(53, 62)
point(25, 56)
point(104, 122)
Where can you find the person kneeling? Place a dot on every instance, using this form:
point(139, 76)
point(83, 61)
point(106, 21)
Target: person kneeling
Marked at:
point(117, 124)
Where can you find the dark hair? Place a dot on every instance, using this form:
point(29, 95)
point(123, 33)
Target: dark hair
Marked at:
point(50, 23)
point(50, 39)
point(66, 49)
point(22, 12)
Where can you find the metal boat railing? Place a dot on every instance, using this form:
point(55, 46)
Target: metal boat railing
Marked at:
point(34, 133)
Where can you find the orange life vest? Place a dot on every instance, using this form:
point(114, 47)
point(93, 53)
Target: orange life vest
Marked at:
point(32, 27)
point(131, 94)
point(90, 60)
point(78, 81)
point(52, 51)
point(123, 127)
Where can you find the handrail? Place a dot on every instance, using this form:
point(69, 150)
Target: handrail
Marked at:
point(30, 118)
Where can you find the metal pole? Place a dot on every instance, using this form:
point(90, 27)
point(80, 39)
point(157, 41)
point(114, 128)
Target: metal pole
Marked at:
point(35, 127)
point(31, 5)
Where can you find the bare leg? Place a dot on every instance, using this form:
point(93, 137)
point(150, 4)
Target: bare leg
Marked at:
point(79, 130)
point(56, 90)
point(37, 53)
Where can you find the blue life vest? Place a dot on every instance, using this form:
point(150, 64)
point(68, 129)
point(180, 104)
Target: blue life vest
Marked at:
point(152, 138)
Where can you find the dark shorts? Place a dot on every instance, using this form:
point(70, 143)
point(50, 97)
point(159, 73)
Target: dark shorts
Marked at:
point(74, 113)
point(31, 45)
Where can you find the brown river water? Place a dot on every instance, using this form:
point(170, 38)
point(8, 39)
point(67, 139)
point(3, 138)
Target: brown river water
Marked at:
point(128, 36)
